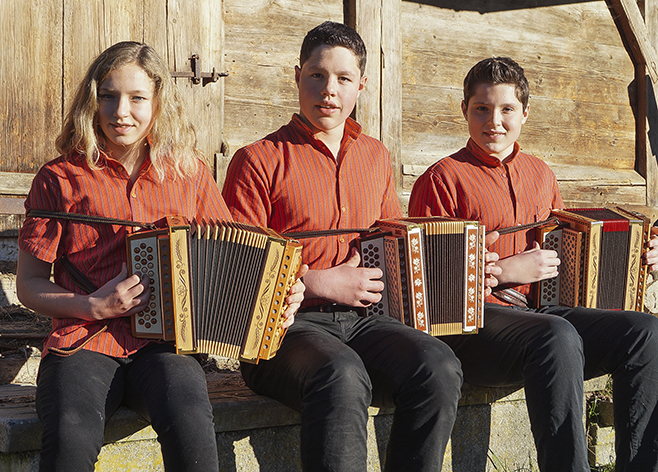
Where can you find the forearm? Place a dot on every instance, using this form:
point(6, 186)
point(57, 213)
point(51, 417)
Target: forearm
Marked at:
point(49, 299)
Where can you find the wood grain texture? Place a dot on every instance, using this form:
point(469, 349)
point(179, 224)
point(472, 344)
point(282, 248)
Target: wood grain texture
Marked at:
point(30, 83)
point(262, 42)
point(581, 82)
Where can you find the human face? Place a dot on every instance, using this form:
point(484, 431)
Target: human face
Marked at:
point(126, 104)
point(329, 84)
point(495, 117)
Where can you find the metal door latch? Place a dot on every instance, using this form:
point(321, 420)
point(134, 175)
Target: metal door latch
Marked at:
point(197, 76)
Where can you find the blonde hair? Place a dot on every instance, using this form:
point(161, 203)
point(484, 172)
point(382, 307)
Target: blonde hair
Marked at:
point(172, 137)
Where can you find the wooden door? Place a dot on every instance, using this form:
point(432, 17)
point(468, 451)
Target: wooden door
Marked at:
point(48, 47)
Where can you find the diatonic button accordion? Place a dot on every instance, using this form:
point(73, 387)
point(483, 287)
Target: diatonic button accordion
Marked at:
point(216, 287)
point(601, 253)
point(433, 272)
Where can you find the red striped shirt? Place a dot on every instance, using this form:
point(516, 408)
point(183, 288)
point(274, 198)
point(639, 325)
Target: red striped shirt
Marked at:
point(472, 185)
point(98, 250)
point(289, 181)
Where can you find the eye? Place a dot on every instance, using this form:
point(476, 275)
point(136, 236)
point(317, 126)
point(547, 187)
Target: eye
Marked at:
point(344, 79)
point(105, 96)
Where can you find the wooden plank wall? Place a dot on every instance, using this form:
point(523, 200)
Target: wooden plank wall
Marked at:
point(584, 93)
point(262, 42)
point(581, 82)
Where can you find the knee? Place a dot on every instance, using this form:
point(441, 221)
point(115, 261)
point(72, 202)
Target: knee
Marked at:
point(558, 343)
point(439, 373)
point(341, 378)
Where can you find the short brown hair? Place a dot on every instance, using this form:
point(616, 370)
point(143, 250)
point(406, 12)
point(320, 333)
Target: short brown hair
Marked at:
point(495, 71)
point(331, 33)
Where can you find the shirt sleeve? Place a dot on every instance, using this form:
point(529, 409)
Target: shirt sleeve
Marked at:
point(391, 203)
point(430, 197)
point(247, 189)
point(41, 237)
point(210, 202)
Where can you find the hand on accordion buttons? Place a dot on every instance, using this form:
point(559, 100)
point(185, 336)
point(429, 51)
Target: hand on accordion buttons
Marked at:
point(121, 296)
point(529, 266)
point(295, 297)
point(651, 256)
point(347, 283)
point(491, 270)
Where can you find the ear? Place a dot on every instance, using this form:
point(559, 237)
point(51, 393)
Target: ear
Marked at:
point(525, 114)
point(362, 84)
point(298, 72)
point(464, 110)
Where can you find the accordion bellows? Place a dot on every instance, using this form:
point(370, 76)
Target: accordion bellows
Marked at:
point(601, 252)
point(217, 287)
point(433, 273)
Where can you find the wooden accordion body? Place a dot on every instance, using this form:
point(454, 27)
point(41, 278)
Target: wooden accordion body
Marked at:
point(601, 252)
point(433, 272)
point(217, 288)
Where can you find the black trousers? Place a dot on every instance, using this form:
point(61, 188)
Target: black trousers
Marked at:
point(76, 396)
point(552, 351)
point(332, 366)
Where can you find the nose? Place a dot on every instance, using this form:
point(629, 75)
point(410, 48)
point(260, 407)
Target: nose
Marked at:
point(122, 108)
point(496, 117)
point(330, 87)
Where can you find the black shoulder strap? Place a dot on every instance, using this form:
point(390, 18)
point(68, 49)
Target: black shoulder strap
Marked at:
point(63, 215)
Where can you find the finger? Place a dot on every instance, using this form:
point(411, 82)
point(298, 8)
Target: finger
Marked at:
point(288, 322)
point(490, 257)
point(536, 245)
point(355, 258)
point(491, 238)
point(303, 269)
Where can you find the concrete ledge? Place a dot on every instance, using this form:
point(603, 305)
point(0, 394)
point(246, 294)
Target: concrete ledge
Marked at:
point(255, 433)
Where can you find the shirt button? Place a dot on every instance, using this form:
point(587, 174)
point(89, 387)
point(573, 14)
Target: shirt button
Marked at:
point(133, 194)
point(342, 239)
point(343, 209)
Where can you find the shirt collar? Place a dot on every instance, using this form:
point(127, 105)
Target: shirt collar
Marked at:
point(352, 128)
point(485, 158)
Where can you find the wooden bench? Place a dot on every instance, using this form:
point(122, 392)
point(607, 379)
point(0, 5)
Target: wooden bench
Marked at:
point(257, 433)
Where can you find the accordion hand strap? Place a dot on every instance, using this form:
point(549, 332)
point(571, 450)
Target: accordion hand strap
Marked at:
point(374, 229)
point(63, 215)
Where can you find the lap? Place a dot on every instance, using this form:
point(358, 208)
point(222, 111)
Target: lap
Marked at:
point(372, 348)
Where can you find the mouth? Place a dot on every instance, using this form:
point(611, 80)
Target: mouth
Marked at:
point(495, 135)
point(327, 107)
point(121, 128)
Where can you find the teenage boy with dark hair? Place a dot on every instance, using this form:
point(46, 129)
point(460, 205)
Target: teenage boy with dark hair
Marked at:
point(320, 172)
point(554, 349)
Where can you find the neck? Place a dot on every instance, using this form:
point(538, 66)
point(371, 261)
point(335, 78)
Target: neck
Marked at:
point(131, 158)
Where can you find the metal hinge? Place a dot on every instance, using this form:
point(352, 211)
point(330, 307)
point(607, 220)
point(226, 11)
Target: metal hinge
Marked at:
point(197, 76)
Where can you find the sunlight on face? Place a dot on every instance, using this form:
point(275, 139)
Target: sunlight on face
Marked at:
point(495, 118)
point(126, 105)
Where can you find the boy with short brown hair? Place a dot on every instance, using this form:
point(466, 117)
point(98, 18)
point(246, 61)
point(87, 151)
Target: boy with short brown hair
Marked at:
point(320, 172)
point(554, 349)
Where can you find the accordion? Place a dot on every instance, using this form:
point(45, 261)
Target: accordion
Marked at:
point(433, 272)
point(216, 287)
point(601, 251)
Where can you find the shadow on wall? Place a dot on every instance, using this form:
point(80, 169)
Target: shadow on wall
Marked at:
point(489, 6)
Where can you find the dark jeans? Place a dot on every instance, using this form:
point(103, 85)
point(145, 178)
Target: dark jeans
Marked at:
point(332, 366)
point(76, 396)
point(552, 352)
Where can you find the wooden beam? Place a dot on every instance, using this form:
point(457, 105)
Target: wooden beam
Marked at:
point(637, 34)
point(391, 87)
point(367, 20)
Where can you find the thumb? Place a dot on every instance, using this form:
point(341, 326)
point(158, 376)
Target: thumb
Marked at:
point(535, 245)
point(355, 258)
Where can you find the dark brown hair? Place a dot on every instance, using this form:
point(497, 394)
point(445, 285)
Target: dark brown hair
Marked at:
point(495, 71)
point(331, 33)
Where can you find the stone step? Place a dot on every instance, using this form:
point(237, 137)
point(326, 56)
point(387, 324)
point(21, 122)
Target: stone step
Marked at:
point(255, 433)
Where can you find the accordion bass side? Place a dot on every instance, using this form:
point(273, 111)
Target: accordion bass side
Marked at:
point(601, 252)
point(433, 273)
point(216, 288)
